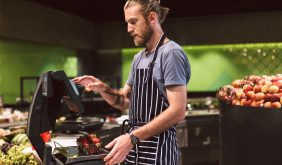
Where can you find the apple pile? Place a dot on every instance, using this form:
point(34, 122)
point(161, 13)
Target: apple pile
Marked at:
point(255, 91)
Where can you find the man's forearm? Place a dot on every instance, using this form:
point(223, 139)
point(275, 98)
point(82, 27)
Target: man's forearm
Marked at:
point(162, 122)
point(114, 98)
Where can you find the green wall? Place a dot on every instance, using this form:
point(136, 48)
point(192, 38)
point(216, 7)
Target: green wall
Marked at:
point(213, 66)
point(19, 59)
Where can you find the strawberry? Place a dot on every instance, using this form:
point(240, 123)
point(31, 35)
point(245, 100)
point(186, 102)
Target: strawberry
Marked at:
point(96, 140)
point(84, 141)
point(93, 135)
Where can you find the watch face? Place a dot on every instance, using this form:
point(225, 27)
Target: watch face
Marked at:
point(134, 139)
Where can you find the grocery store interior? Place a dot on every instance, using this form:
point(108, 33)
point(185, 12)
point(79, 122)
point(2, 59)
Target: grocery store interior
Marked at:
point(233, 114)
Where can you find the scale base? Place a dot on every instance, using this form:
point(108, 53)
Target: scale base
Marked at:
point(71, 155)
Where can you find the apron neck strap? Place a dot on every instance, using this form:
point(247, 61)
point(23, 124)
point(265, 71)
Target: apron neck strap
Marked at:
point(160, 43)
point(152, 63)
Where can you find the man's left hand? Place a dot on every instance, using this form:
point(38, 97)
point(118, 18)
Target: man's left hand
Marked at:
point(120, 149)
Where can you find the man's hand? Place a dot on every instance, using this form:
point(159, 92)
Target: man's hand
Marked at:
point(90, 82)
point(121, 147)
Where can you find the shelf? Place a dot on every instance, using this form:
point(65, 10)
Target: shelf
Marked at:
point(12, 124)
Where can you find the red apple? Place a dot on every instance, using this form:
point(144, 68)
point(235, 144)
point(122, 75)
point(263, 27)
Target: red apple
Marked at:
point(259, 103)
point(267, 105)
point(235, 102)
point(239, 94)
point(273, 89)
point(247, 88)
point(276, 105)
point(236, 83)
point(226, 98)
point(251, 95)
point(246, 82)
point(253, 104)
point(242, 102)
point(267, 97)
point(264, 88)
point(232, 92)
point(259, 96)
point(233, 97)
point(245, 102)
point(272, 97)
point(253, 78)
point(261, 82)
point(278, 83)
point(268, 82)
point(257, 88)
point(275, 79)
point(243, 96)
point(248, 102)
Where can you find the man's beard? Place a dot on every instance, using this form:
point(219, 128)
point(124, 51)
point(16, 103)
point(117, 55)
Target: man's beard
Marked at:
point(144, 37)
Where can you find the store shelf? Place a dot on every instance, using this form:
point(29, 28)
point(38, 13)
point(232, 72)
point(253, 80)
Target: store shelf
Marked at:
point(12, 124)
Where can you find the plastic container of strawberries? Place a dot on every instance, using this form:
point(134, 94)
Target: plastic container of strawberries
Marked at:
point(88, 148)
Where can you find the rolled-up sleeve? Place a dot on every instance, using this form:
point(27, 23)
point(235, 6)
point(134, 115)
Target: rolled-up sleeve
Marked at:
point(129, 80)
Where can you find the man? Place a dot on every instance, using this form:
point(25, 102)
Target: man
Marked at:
point(155, 92)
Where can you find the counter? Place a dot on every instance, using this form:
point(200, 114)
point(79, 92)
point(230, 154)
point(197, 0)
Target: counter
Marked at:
point(197, 136)
point(107, 133)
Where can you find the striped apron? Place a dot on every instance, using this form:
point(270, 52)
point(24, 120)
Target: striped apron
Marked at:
point(147, 102)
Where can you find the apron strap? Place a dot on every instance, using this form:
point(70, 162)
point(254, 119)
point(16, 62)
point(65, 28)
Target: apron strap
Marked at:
point(161, 42)
point(152, 63)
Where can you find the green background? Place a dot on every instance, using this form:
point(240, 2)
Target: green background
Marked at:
point(19, 59)
point(213, 66)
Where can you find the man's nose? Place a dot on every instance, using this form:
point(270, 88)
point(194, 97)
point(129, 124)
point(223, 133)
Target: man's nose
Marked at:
point(130, 29)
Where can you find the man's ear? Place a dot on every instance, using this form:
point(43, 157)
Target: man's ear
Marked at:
point(153, 17)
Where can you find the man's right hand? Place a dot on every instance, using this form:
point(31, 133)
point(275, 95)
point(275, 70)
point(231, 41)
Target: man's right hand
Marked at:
point(90, 82)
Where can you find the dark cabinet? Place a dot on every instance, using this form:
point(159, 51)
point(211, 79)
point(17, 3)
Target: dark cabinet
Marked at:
point(198, 139)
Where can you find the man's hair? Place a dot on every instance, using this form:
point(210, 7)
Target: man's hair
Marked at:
point(148, 6)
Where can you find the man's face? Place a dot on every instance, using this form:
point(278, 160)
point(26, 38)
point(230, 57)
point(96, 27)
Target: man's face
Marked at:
point(137, 26)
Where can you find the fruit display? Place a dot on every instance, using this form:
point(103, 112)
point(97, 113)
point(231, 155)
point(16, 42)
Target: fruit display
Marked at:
point(5, 147)
point(20, 138)
point(89, 144)
point(256, 91)
point(9, 115)
point(4, 132)
point(12, 154)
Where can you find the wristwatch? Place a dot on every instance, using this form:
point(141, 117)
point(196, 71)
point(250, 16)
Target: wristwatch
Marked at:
point(134, 139)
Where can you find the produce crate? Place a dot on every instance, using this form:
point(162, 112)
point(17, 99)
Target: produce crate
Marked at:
point(250, 135)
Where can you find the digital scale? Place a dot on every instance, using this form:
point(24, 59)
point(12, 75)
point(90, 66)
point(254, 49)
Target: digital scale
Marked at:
point(52, 89)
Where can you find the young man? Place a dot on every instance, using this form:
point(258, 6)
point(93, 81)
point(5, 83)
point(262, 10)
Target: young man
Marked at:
point(155, 92)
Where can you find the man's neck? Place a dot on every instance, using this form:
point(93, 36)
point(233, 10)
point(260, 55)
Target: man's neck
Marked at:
point(152, 44)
